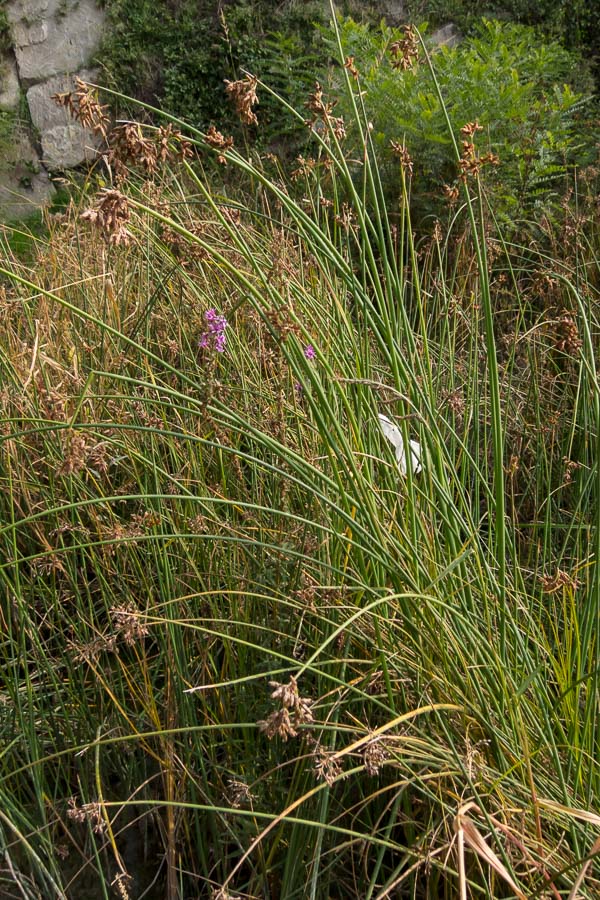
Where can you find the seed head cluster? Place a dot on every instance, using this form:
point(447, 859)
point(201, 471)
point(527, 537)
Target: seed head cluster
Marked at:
point(243, 95)
point(294, 711)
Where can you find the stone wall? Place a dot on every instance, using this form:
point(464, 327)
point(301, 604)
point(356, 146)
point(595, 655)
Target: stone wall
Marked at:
point(52, 42)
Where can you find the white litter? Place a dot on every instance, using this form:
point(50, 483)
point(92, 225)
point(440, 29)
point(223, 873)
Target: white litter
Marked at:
point(394, 436)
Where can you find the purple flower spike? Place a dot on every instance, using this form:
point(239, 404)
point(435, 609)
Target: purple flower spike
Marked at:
point(214, 337)
point(309, 351)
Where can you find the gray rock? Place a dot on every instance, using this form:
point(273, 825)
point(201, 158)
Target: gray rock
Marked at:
point(24, 184)
point(10, 88)
point(447, 36)
point(65, 146)
point(64, 142)
point(53, 36)
point(394, 11)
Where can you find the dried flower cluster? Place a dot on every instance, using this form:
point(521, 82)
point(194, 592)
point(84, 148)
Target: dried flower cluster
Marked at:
point(346, 217)
point(567, 335)
point(128, 624)
point(349, 65)
point(322, 112)
point(218, 142)
point(222, 894)
point(294, 711)
point(405, 53)
point(239, 794)
point(374, 756)
point(570, 468)
point(282, 323)
point(401, 151)
point(451, 192)
point(121, 883)
point(327, 766)
point(89, 812)
point(470, 164)
point(130, 145)
point(110, 215)
point(304, 169)
point(561, 579)
point(84, 106)
point(243, 95)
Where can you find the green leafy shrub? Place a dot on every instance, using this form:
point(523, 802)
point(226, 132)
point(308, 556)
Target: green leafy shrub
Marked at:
point(5, 35)
point(572, 22)
point(504, 77)
point(177, 54)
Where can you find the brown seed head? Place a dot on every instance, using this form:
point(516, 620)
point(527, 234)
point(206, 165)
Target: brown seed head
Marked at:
point(217, 141)
point(243, 95)
point(561, 579)
point(83, 105)
point(109, 214)
point(405, 52)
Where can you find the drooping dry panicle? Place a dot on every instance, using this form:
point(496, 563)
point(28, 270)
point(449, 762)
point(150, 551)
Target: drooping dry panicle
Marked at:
point(239, 794)
point(84, 106)
point(171, 144)
point(570, 467)
point(561, 579)
point(567, 337)
point(110, 214)
point(223, 894)
point(401, 151)
point(278, 724)
point(91, 812)
point(322, 111)
point(470, 129)
point(327, 767)
point(346, 217)
point(405, 53)
point(217, 141)
point(121, 884)
point(243, 95)
point(470, 164)
point(451, 192)
point(349, 65)
point(374, 756)
point(129, 624)
point(295, 710)
point(75, 453)
point(305, 168)
point(130, 145)
point(319, 108)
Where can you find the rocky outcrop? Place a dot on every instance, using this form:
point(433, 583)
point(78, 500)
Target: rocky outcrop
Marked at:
point(53, 37)
point(24, 184)
point(53, 41)
point(10, 88)
point(447, 36)
point(394, 11)
point(65, 143)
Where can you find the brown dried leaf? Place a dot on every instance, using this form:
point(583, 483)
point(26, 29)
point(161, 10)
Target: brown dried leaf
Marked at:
point(467, 832)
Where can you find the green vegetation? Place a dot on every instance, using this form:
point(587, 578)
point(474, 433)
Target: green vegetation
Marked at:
point(5, 36)
point(179, 54)
point(573, 22)
point(518, 87)
point(241, 653)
